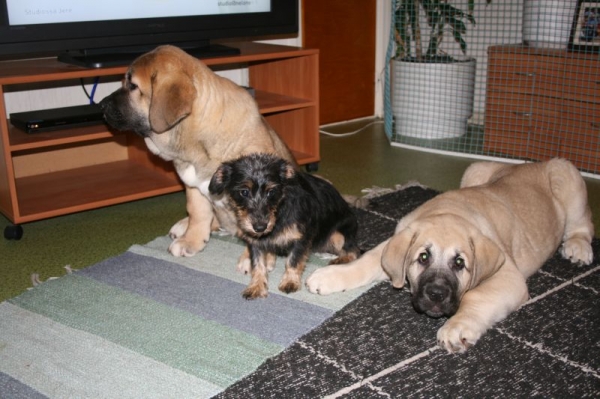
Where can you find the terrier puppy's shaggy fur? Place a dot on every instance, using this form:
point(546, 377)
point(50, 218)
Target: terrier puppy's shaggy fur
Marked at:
point(282, 211)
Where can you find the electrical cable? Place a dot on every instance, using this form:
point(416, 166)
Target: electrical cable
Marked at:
point(96, 80)
point(90, 96)
point(323, 132)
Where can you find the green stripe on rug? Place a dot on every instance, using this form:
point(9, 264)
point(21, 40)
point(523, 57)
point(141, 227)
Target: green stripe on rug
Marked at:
point(205, 349)
point(61, 362)
point(220, 257)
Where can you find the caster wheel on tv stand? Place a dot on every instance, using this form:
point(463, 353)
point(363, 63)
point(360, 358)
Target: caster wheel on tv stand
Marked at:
point(13, 232)
point(312, 167)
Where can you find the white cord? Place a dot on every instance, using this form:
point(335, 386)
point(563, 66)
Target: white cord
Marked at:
point(349, 133)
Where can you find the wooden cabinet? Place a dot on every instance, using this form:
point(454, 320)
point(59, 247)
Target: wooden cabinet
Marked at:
point(543, 103)
point(49, 174)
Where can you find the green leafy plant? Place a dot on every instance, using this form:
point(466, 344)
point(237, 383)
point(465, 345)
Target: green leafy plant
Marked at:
point(441, 17)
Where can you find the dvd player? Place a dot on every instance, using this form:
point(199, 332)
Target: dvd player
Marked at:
point(57, 118)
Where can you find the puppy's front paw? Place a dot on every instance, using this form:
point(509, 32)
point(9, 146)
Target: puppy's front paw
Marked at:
point(326, 280)
point(254, 291)
point(577, 250)
point(291, 281)
point(182, 247)
point(179, 228)
point(288, 286)
point(458, 336)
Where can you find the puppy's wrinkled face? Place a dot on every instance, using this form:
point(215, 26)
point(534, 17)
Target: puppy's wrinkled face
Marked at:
point(255, 187)
point(437, 257)
point(440, 271)
point(126, 109)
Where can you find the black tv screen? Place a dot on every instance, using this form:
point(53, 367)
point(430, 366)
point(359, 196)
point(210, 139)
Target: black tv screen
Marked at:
point(107, 28)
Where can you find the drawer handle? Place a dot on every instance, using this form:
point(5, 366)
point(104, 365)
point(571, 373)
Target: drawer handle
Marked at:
point(528, 74)
point(523, 114)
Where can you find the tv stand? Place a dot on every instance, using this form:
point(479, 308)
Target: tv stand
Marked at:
point(113, 57)
point(50, 174)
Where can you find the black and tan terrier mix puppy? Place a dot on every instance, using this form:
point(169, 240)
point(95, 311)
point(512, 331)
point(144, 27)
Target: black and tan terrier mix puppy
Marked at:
point(283, 211)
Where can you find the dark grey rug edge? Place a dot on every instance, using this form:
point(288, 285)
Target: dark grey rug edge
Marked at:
point(378, 346)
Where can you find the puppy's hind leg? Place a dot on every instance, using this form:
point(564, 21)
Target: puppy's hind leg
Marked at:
point(270, 261)
point(244, 265)
point(345, 247)
point(479, 173)
point(569, 189)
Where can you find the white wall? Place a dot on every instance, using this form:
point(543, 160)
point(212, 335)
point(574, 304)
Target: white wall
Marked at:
point(382, 39)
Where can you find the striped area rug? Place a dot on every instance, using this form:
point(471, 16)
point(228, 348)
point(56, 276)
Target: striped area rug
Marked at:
point(147, 325)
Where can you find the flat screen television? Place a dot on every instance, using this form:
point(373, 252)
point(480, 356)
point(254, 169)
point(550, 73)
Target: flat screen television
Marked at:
point(113, 32)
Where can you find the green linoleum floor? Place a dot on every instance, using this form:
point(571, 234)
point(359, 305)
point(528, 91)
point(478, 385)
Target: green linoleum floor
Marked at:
point(352, 163)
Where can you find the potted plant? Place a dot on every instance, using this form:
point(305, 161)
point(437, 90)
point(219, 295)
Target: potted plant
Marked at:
point(432, 88)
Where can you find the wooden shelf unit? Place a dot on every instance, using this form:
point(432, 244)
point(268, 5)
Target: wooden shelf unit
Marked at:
point(543, 103)
point(55, 173)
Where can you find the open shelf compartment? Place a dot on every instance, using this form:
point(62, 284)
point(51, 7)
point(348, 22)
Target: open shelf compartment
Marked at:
point(74, 190)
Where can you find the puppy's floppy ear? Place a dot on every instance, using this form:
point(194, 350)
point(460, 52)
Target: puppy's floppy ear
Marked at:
point(396, 256)
point(173, 95)
point(487, 258)
point(220, 179)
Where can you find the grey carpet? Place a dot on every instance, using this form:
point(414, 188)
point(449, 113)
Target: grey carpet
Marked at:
point(378, 346)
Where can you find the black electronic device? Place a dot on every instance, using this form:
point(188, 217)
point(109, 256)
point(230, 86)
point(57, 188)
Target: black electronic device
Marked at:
point(57, 118)
point(106, 33)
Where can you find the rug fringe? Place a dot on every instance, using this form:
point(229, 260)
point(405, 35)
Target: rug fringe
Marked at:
point(376, 191)
point(35, 277)
point(221, 232)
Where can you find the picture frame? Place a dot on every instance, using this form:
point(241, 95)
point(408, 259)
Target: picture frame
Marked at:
point(585, 33)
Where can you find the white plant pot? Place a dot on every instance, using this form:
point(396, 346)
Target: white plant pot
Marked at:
point(432, 100)
point(547, 23)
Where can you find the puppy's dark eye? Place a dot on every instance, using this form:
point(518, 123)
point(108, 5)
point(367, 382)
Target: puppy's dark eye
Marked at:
point(459, 263)
point(270, 193)
point(244, 192)
point(424, 258)
point(128, 84)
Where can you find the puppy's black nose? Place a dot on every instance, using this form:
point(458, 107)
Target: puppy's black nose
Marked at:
point(437, 293)
point(259, 227)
